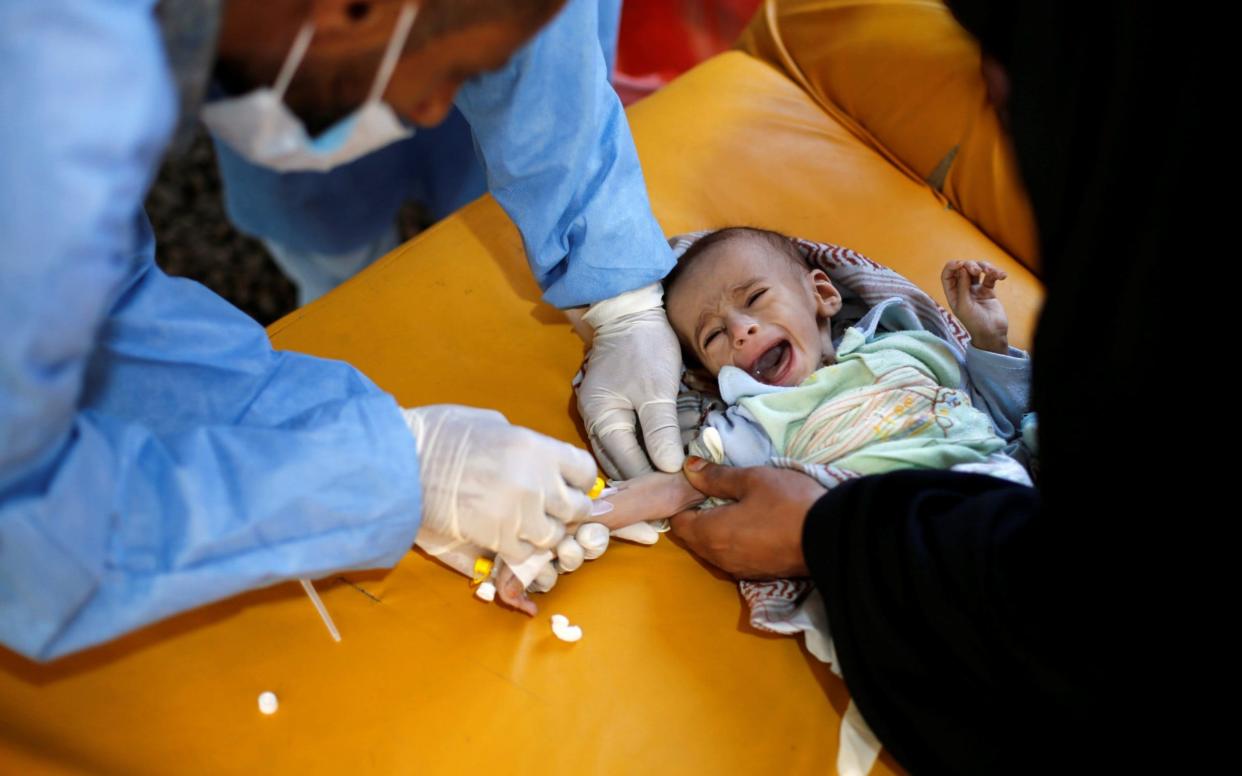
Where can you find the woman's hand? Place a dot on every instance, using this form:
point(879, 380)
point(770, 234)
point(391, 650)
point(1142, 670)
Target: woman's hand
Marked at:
point(760, 536)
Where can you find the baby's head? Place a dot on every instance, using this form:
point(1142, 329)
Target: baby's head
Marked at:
point(746, 297)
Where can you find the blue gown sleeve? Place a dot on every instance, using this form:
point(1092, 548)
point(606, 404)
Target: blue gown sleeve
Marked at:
point(155, 453)
point(1000, 385)
point(560, 160)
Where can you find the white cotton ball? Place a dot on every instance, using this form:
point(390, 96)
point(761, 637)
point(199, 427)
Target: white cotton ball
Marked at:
point(563, 630)
point(594, 539)
point(486, 591)
point(268, 703)
point(569, 554)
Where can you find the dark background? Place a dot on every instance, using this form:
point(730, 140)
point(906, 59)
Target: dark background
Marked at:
point(194, 239)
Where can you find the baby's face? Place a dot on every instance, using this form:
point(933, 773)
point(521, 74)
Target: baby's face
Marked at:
point(744, 303)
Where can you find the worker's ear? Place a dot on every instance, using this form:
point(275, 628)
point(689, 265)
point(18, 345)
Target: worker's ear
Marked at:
point(827, 297)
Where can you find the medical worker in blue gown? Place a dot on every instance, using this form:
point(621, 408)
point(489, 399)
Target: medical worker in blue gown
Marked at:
point(155, 452)
point(325, 218)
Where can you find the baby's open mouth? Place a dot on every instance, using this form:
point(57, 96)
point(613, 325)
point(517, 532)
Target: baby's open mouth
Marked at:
point(772, 363)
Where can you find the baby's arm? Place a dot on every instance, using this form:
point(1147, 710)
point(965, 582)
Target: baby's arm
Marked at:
point(649, 497)
point(998, 377)
point(970, 288)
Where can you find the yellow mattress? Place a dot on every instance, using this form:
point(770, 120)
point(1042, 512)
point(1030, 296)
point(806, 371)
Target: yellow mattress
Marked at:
point(905, 78)
point(668, 677)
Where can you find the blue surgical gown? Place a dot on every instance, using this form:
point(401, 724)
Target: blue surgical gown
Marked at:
point(560, 160)
point(555, 151)
point(155, 453)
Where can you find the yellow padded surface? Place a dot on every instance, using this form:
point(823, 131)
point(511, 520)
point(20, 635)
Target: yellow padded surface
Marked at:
point(905, 78)
point(668, 678)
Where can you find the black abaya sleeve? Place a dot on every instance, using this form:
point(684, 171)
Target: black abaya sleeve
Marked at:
point(951, 638)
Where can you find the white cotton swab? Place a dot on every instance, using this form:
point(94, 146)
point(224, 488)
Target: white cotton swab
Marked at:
point(319, 607)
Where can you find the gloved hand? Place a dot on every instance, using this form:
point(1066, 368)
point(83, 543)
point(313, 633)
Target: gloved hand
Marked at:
point(630, 380)
point(587, 543)
point(499, 486)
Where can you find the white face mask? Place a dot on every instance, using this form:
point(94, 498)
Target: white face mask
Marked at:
point(262, 129)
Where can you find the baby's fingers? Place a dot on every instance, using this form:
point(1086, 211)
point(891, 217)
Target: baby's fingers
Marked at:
point(990, 267)
point(948, 279)
point(961, 297)
point(513, 595)
point(991, 274)
point(974, 269)
point(950, 269)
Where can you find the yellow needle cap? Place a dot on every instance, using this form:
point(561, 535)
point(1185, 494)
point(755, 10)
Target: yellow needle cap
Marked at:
point(482, 570)
point(598, 487)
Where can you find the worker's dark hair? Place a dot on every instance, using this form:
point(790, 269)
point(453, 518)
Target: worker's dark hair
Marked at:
point(722, 236)
point(440, 17)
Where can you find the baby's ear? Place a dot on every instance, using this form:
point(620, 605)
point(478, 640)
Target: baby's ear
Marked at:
point(827, 297)
point(697, 378)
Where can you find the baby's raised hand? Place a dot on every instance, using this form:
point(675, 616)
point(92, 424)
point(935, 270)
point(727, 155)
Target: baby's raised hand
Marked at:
point(970, 287)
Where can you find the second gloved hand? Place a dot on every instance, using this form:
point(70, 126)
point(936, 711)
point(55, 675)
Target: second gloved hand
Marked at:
point(630, 381)
point(499, 486)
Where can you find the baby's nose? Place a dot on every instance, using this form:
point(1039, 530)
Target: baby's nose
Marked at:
point(742, 331)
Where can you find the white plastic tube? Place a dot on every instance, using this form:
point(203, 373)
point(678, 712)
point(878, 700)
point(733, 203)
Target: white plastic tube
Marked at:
point(319, 607)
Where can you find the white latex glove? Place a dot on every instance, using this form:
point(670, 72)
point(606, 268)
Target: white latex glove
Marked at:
point(630, 381)
point(498, 486)
point(587, 543)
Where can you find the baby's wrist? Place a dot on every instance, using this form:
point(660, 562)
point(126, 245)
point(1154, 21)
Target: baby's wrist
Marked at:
point(993, 343)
